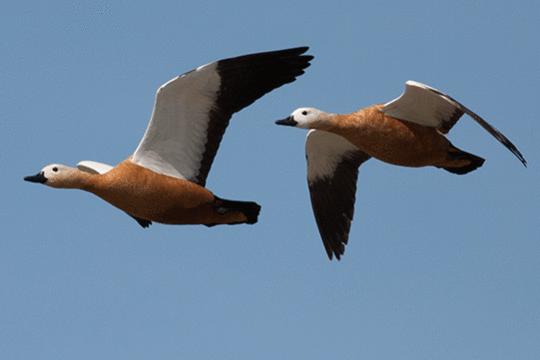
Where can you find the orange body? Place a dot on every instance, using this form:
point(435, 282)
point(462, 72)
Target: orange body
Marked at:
point(151, 196)
point(393, 141)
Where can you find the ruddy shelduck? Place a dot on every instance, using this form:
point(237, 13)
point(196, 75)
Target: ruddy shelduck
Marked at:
point(408, 131)
point(164, 180)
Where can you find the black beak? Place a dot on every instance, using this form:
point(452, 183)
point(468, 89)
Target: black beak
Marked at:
point(38, 178)
point(288, 121)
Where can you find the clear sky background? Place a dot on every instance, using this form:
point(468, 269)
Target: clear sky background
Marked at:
point(438, 266)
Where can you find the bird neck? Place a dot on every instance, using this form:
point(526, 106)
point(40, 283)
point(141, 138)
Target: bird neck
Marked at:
point(74, 179)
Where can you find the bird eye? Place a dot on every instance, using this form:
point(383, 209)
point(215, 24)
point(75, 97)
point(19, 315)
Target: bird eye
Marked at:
point(55, 169)
point(304, 112)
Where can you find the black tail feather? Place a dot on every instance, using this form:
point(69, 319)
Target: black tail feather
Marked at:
point(455, 154)
point(250, 209)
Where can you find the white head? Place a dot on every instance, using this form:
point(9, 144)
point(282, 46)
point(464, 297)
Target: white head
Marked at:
point(55, 175)
point(304, 118)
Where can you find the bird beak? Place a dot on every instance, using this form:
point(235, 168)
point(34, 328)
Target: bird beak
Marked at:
point(288, 121)
point(38, 178)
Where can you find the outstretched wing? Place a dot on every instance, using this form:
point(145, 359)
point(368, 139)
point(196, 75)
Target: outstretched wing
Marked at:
point(332, 173)
point(192, 111)
point(427, 106)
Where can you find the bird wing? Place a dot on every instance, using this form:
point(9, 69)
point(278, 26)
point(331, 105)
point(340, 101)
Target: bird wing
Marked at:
point(427, 106)
point(192, 111)
point(332, 173)
point(93, 167)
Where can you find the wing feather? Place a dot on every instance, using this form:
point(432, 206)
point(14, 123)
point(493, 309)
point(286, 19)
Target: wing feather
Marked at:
point(332, 173)
point(427, 106)
point(93, 167)
point(192, 111)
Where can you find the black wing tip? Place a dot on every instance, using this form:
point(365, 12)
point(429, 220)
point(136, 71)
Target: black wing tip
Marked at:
point(295, 53)
point(518, 154)
point(301, 49)
point(334, 236)
point(487, 126)
point(291, 51)
point(335, 247)
point(333, 203)
point(296, 62)
point(244, 79)
point(332, 252)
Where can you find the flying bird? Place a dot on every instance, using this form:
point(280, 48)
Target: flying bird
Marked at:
point(164, 180)
point(408, 131)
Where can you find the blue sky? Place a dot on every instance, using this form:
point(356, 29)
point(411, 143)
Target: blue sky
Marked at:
point(438, 266)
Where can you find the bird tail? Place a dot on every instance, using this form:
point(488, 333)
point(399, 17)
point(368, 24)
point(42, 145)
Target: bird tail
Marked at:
point(459, 156)
point(249, 209)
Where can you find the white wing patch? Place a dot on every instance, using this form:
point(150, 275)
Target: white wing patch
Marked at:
point(175, 139)
point(324, 152)
point(93, 167)
point(421, 104)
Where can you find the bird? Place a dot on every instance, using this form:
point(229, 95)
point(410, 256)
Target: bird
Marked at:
point(163, 181)
point(408, 131)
